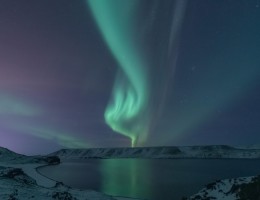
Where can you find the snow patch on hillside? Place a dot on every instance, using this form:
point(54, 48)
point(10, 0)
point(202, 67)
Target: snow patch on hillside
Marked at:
point(231, 189)
point(217, 151)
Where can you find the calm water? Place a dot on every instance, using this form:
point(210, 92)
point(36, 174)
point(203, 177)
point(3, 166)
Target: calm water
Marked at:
point(149, 179)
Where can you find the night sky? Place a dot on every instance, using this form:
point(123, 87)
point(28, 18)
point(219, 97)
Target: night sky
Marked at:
point(99, 73)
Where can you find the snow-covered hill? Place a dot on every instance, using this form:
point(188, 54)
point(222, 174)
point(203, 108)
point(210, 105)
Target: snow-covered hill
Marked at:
point(231, 189)
point(10, 157)
point(217, 151)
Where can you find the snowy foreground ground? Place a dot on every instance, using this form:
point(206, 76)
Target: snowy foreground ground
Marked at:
point(19, 180)
point(244, 188)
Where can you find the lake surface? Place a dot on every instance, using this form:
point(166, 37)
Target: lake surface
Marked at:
point(149, 178)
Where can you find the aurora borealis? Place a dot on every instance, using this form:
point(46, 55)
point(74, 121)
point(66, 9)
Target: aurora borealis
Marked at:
point(131, 90)
point(97, 73)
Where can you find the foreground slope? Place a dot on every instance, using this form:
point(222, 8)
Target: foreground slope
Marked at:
point(244, 188)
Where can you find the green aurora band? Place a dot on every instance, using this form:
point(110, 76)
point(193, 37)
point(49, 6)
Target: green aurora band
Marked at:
point(15, 113)
point(12, 105)
point(127, 106)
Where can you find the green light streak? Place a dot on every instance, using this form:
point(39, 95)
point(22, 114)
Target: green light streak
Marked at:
point(11, 105)
point(15, 112)
point(62, 138)
point(126, 108)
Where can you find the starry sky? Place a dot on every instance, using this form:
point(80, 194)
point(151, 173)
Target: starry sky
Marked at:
point(119, 73)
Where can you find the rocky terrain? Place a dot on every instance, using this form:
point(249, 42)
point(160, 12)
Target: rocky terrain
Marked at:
point(244, 188)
